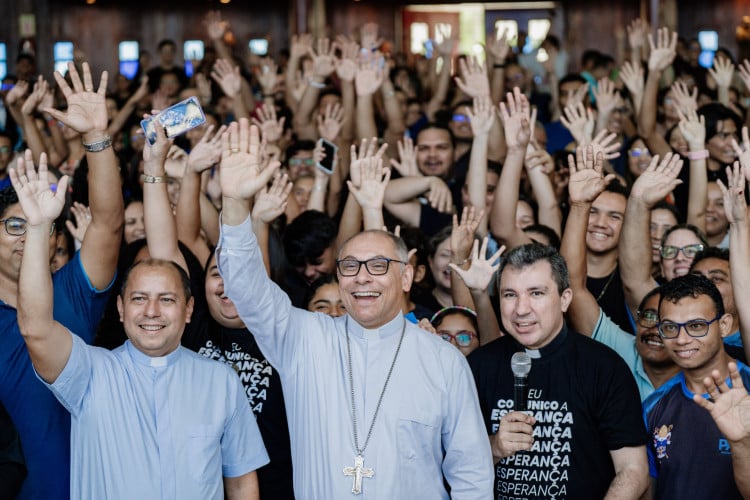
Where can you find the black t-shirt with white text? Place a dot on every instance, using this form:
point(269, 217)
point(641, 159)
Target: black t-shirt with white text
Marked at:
point(585, 402)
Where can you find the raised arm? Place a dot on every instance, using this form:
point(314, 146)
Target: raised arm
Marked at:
point(202, 157)
point(539, 166)
point(49, 343)
point(661, 57)
point(346, 69)
point(32, 135)
point(323, 64)
point(516, 117)
point(656, 182)
point(735, 208)
point(497, 49)
point(722, 72)
point(299, 47)
point(477, 278)
point(481, 116)
point(228, 77)
point(693, 128)
point(127, 109)
point(586, 183)
point(369, 78)
point(87, 114)
point(269, 204)
point(161, 228)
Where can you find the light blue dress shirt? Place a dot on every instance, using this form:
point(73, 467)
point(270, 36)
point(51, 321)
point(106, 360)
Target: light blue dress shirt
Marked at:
point(429, 424)
point(608, 333)
point(155, 427)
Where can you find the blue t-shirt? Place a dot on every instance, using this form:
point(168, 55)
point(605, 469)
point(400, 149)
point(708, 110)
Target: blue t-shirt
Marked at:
point(42, 423)
point(687, 454)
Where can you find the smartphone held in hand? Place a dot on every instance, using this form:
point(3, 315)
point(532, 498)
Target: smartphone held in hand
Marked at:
point(176, 119)
point(327, 164)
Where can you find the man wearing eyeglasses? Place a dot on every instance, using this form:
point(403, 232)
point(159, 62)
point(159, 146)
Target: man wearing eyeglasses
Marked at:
point(688, 455)
point(376, 407)
point(80, 290)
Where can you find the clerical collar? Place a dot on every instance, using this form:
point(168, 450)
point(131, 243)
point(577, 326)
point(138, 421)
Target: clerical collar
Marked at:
point(550, 348)
point(154, 361)
point(393, 327)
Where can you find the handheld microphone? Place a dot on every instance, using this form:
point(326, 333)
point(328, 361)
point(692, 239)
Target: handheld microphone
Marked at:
point(520, 364)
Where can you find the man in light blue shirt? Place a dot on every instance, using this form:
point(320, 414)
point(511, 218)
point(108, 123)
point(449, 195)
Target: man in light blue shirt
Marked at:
point(376, 406)
point(644, 353)
point(150, 419)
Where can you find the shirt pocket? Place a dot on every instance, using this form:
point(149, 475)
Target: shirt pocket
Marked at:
point(417, 438)
point(204, 452)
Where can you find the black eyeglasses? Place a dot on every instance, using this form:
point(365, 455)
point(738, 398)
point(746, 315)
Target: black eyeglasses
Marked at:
point(648, 318)
point(376, 266)
point(669, 252)
point(695, 328)
point(16, 226)
point(462, 338)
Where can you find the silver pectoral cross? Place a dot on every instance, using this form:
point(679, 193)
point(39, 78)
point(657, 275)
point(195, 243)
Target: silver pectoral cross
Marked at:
point(358, 471)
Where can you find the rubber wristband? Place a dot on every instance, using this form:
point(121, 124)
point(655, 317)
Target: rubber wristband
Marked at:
point(698, 155)
point(499, 65)
point(317, 85)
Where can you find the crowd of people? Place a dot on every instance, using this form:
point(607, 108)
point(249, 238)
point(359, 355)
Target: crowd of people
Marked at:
point(217, 316)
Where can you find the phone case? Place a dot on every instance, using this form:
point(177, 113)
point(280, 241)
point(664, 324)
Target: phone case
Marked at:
point(176, 119)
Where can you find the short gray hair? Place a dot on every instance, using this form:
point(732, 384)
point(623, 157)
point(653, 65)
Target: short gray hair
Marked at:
point(402, 252)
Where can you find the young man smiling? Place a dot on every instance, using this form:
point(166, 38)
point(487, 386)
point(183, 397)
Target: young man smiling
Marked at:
point(692, 324)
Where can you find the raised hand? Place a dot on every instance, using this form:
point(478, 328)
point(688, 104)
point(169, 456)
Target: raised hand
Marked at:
point(730, 408)
point(578, 96)
point(735, 206)
point(407, 155)
point(606, 97)
point(693, 127)
point(539, 158)
point(658, 180)
point(242, 171)
point(155, 155)
point(17, 93)
point(497, 46)
point(744, 70)
point(82, 215)
point(447, 46)
point(685, 100)
point(271, 128)
point(587, 180)
point(516, 116)
point(373, 181)
point(301, 45)
point(369, 75)
point(463, 233)
point(603, 144)
point(743, 153)
point(39, 203)
point(367, 149)
point(579, 120)
point(329, 123)
point(267, 75)
point(632, 77)
point(323, 59)
point(271, 202)
point(368, 35)
point(36, 97)
point(207, 151)
point(722, 72)
point(481, 116)
point(637, 30)
point(664, 51)
point(346, 65)
point(228, 77)
point(86, 109)
point(482, 269)
point(473, 80)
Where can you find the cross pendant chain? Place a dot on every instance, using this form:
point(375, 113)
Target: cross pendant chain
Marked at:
point(358, 472)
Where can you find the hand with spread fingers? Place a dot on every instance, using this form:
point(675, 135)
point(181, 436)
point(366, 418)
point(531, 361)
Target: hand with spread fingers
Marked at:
point(271, 202)
point(658, 180)
point(733, 194)
point(40, 204)
point(482, 269)
point(242, 171)
point(86, 110)
point(207, 152)
point(663, 51)
point(729, 407)
point(407, 156)
point(587, 180)
point(516, 116)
